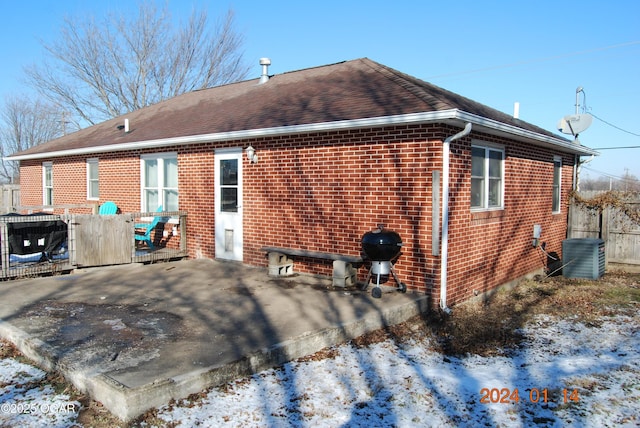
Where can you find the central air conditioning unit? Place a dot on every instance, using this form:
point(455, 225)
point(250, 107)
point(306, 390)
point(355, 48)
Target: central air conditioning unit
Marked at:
point(583, 258)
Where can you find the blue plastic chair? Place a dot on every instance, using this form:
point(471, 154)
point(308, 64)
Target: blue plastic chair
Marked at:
point(144, 225)
point(148, 229)
point(108, 208)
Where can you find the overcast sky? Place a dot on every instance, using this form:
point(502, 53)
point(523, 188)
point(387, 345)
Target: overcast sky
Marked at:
point(536, 53)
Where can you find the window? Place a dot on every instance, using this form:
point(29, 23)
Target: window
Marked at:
point(93, 188)
point(47, 183)
point(487, 172)
point(557, 180)
point(159, 182)
point(229, 185)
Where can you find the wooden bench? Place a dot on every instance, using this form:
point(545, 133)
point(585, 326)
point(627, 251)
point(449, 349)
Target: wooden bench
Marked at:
point(344, 271)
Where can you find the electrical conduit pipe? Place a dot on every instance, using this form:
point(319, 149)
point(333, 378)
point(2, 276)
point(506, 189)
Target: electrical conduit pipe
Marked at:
point(445, 214)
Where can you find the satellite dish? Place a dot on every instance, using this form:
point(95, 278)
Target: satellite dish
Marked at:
point(574, 124)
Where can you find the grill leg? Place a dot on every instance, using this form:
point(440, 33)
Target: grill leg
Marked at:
point(376, 292)
point(402, 287)
point(366, 283)
point(395, 277)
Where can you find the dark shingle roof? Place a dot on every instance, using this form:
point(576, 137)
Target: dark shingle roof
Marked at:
point(348, 90)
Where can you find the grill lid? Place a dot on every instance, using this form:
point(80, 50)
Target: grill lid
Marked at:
point(381, 244)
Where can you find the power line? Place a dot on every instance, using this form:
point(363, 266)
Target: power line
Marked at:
point(616, 148)
point(585, 108)
point(617, 127)
point(606, 174)
point(535, 60)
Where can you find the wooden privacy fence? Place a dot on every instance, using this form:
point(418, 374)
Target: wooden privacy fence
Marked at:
point(9, 198)
point(39, 244)
point(620, 233)
point(100, 240)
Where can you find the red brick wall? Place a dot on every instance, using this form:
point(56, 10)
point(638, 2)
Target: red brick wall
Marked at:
point(31, 183)
point(491, 248)
point(322, 191)
point(309, 192)
point(196, 183)
point(119, 178)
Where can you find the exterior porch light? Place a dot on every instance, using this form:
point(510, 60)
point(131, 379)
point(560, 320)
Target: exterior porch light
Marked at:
point(251, 154)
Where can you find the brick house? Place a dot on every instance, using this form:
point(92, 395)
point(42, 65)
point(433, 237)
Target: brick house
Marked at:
point(338, 149)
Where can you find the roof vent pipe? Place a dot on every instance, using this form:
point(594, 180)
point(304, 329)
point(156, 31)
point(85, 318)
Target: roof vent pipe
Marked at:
point(265, 63)
point(516, 110)
point(126, 125)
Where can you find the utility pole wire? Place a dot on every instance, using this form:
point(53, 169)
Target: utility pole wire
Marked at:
point(617, 127)
point(533, 61)
point(586, 109)
point(616, 148)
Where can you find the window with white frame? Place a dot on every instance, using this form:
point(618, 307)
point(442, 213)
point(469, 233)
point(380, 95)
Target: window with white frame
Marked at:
point(93, 188)
point(557, 181)
point(487, 177)
point(47, 183)
point(159, 182)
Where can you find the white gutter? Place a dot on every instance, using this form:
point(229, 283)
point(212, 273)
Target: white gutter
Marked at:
point(445, 214)
point(452, 115)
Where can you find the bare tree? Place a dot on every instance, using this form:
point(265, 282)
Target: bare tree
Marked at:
point(600, 183)
point(629, 182)
point(25, 123)
point(99, 70)
point(626, 183)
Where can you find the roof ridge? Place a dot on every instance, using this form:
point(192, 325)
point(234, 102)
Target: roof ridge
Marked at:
point(409, 83)
point(314, 67)
point(415, 86)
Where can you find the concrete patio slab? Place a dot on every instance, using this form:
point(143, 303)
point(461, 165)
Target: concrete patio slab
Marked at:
point(135, 336)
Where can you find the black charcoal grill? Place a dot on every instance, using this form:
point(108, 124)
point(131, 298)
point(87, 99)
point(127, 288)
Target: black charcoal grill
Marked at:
point(382, 247)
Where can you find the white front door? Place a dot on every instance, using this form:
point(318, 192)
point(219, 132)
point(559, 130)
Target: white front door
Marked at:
point(228, 205)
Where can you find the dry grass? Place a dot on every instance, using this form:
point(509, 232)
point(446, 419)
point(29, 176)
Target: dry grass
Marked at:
point(478, 327)
point(489, 327)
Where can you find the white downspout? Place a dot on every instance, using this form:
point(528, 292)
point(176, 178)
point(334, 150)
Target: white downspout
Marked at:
point(445, 214)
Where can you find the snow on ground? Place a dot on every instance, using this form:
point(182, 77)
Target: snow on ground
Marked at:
point(23, 403)
point(565, 374)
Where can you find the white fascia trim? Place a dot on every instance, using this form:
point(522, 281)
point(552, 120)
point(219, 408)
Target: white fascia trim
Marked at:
point(501, 127)
point(413, 118)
